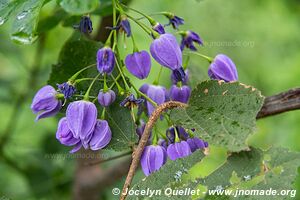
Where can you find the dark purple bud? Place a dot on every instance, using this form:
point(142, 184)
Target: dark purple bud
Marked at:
point(178, 150)
point(159, 28)
point(125, 25)
point(140, 130)
point(81, 116)
point(45, 102)
point(67, 89)
point(181, 94)
point(101, 135)
point(163, 143)
point(64, 134)
point(130, 101)
point(139, 64)
point(175, 21)
point(166, 51)
point(188, 39)
point(153, 158)
point(175, 80)
point(157, 94)
point(85, 25)
point(106, 98)
point(179, 74)
point(105, 60)
point(182, 134)
point(222, 68)
point(196, 143)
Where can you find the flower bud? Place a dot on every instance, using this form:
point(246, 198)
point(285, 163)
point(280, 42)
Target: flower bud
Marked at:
point(101, 135)
point(45, 102)
point(105, 60)
point(188, 38)
point(81, 117)
point(222, 68)
point(139, 64)
point(85, 25)
point(125, 25)
point(106, 98)
point(153, 158)
point(166, 51)
point(175, 80)
point(174, 20)
point(159, 28)
point(178, 150)
point(196, 143)
point(181, 94)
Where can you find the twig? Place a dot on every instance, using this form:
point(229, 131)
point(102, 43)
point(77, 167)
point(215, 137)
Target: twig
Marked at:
point(143, 141)
point(279, 103)
point(108, 159)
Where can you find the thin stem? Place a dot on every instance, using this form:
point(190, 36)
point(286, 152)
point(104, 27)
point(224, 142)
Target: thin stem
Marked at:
point(135, 49)
point(120, 89)
point(143, 26)
point(109, 159)
point(86, 96)
point(85, 79)
point(79, 95)
point(156, 82)
point(103, 113)
point(176, 134)
point(80, 71)
point(209, 59)
point(105, 88)
point(121, 73)
point(150, 19)
point(145, 96)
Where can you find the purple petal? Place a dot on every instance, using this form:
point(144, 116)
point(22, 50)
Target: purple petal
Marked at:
point(81, 117)
point(139, 64)
point(101, 135)
point(178, 150)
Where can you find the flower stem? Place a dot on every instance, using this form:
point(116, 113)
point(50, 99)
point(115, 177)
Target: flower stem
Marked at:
point(209, 59)
point(80, 71)
point(105, 88)
point(135, 49)
point(85, 79)
point(103, 113)
point(86, 96)
point(150, 19)
point(145, 96)
point(176, 134)
point(156, 81)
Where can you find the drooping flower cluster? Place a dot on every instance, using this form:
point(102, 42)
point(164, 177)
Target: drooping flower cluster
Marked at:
point(82, 127)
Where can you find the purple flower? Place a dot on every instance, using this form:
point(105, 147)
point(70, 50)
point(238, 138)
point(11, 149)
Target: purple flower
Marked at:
point(131, 101)
point(106, 98)
point(125, 25)
point(65, 136)
point(81, 117)
point(67, 89)
point(156, 93)
point(174, 20)
point(139, 64)
point(222, 68)
point(159, 28)
point(85, 25)
point(101, 135)
point(153, 158)
point(178, 150)
point(163, 143)
point(185, 79)
point(181, 94)
point(140, 130)
point(196, 143)
point(182, 134)
point(166, 51)
point(188, 39)
point(105, 60)
point(45, 102)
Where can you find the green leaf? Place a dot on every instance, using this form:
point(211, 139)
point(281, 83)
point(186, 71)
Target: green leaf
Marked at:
point(122, 127)
point(50, 22)
point(169, 176)
point(6, 8)
point(24, 29)
point(223, 114)
point(79, 7)
point(76, 54)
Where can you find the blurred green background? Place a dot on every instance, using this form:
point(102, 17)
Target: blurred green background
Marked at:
point(261, 37)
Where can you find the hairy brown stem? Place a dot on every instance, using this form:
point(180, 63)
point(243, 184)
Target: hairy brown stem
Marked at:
point(143, 141)
point(279, 103)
